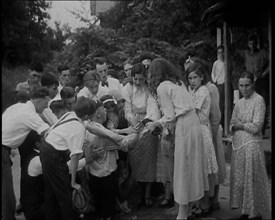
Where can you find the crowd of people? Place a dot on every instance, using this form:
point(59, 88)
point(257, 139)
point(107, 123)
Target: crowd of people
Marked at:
point(149, 126)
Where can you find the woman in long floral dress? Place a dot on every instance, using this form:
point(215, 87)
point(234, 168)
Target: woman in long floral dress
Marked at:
point(202, 100)
point(249, 187)
point(190, 176)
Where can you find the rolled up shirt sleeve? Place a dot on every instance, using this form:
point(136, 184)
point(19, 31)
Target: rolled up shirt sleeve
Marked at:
point(36, 123)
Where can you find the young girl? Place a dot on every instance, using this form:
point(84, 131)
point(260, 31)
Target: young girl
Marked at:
point(201, 97)
point(215, 119)
point(190, 178)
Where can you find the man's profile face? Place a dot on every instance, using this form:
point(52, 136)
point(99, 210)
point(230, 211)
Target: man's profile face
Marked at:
point(52, 91)
point(102, 71)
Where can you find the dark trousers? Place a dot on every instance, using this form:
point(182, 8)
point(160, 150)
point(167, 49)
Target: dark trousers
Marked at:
point(8, 196)
point(105, 192)
point(58, 191)
point(222, 100)
point(32, 192)
point(26, 149)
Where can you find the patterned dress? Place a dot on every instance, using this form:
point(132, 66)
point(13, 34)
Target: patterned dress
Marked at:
point(215, 118)
point(140, 104)
point(190, 171)
point(202, 101)
point(249, 188)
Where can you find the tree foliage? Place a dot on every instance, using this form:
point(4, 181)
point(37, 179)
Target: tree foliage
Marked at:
point(170, 29)
point(23, 29)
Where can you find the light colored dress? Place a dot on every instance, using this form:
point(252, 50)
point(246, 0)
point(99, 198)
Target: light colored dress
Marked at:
point(249, 188)
point(190, 176)
point(215, 117)
point(140, 104)
point(202, 101)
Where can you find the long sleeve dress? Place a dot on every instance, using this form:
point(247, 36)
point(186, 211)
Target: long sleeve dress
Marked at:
point(249, 187)
point(190, 178)
point(140, 104)
point(215, 118)
point(202, 101)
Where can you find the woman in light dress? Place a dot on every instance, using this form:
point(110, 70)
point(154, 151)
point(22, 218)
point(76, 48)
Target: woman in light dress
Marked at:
point(202, 100)
point(249, 187)
point(215, 118)
point(141, 105)
point(190, 178)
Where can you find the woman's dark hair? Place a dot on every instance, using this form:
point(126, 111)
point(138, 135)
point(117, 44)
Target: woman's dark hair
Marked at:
point(199, 69)
point(67, 92)
point(247, 75)
point(138, 69)
point(108, 100)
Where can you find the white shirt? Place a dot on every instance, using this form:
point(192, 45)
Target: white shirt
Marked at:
point(49, 116)
point(58, 96)
point(218, 73)
point(107, 164)
point(17, 121)
point(86, 93)
point(69, 136)
point(140, 99)
point(114, 88)
point(174, 101)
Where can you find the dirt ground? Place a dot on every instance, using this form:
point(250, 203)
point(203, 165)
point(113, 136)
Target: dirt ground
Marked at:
point(140, 212)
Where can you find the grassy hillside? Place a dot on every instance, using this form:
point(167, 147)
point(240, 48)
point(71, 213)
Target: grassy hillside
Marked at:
point(10, 78)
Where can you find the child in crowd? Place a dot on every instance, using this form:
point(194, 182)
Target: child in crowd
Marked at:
point(58, 108)
point(103, 170)
point(202, 100)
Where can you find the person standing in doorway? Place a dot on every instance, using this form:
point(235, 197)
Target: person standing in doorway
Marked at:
point(218, 75)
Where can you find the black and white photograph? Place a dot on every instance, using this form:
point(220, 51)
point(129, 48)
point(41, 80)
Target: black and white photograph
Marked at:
point(136, 110)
